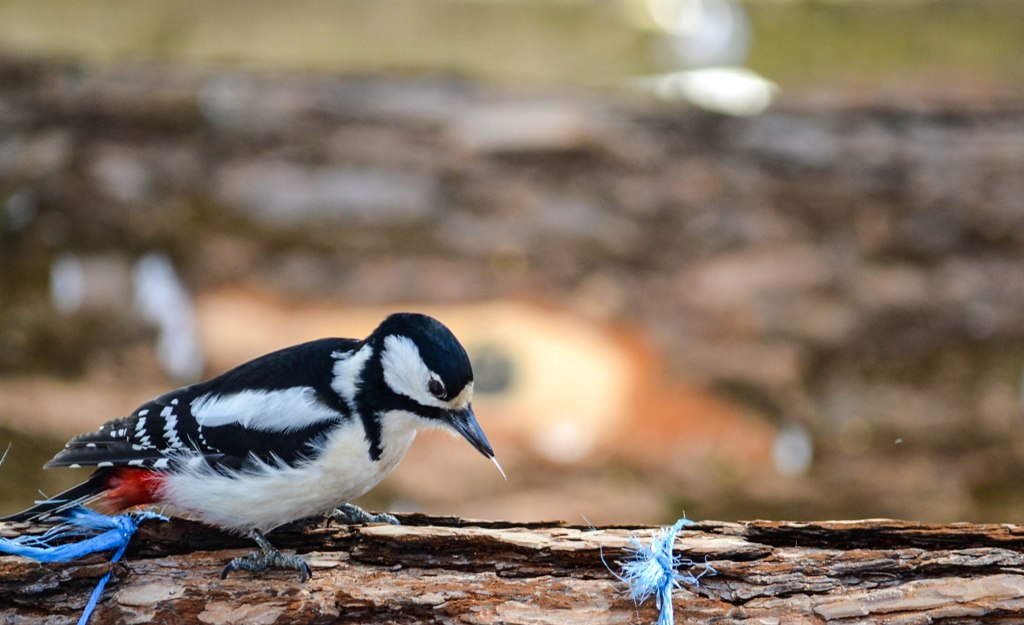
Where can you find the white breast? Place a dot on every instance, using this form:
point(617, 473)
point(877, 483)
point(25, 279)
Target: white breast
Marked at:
point(277, 494)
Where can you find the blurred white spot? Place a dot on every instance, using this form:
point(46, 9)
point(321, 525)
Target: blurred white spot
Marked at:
point(793, 450)
point(729, 90)
point(708, 41)
point(565, 442)
point(121, 174)
point(898, 441)
point(703, 32)
point(67, 283)
point(98, 283)
point(161, 298)
point(523, 128)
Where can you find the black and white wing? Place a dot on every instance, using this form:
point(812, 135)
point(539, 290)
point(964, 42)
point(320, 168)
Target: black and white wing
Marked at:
point(276, 408)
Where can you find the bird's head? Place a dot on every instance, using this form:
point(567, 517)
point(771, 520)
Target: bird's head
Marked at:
point(427, 372)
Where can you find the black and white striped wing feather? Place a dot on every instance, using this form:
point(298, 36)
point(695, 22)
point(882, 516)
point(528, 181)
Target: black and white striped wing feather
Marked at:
point(276, 408)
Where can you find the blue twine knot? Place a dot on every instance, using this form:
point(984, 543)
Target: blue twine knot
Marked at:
point(114, 532)
point(654, 570)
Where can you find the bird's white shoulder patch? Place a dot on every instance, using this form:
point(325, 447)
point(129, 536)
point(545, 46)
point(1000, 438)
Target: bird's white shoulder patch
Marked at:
point(348, 369)
point(282, 410)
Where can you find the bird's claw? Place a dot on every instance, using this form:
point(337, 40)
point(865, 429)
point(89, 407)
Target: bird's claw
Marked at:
point(259, 561)
point(351, 514)
point(267, 558)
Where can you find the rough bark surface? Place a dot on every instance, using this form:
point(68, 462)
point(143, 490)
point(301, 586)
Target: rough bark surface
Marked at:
point(445, 570)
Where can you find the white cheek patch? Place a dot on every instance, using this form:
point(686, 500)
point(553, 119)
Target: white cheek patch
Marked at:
point(405, 372)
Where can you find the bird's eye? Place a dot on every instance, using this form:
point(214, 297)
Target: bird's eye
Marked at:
point(436, 388)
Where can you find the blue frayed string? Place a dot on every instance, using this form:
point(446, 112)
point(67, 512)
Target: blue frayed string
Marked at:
point(115, 532)
point(654, 570)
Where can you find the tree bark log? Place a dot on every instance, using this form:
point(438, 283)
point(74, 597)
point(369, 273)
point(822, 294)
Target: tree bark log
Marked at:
point(446, 570)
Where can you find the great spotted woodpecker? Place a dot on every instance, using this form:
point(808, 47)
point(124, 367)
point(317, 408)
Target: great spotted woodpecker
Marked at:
point(292, 434)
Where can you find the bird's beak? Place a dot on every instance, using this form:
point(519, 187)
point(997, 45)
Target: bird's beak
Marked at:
point(465, 423)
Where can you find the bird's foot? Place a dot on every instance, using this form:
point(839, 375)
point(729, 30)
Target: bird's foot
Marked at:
point(267, 558)
point(351, 514)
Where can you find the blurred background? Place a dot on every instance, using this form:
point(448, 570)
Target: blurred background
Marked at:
point(757, 259)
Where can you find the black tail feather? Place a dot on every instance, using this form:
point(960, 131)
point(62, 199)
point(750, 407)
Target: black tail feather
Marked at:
point(52, 509)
